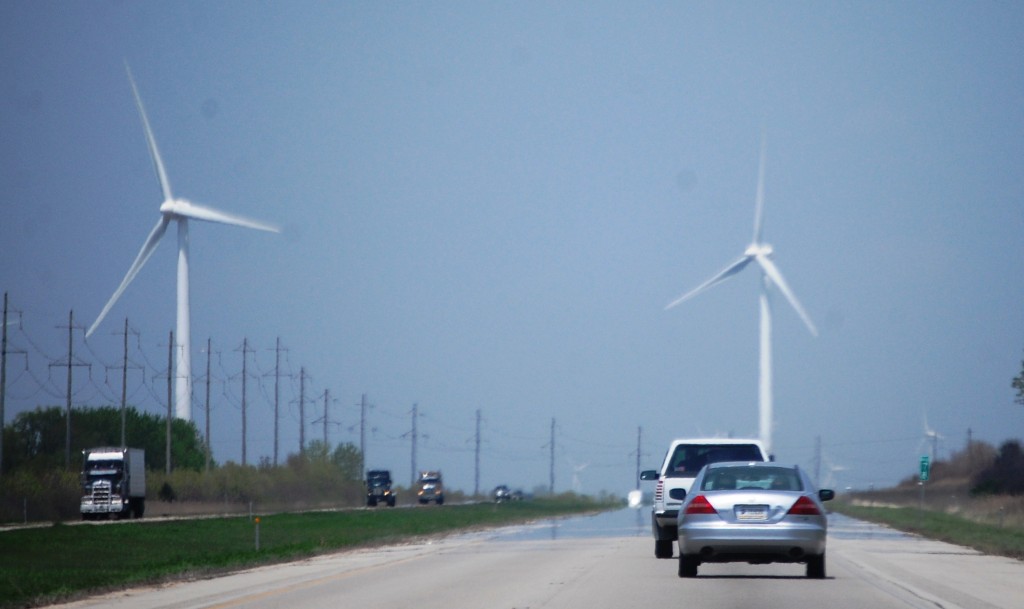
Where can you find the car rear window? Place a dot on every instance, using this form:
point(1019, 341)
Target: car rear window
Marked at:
point(753, 478)
point(687, 459)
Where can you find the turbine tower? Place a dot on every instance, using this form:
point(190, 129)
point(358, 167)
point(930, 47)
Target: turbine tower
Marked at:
point(179, 211)
point(760, 252)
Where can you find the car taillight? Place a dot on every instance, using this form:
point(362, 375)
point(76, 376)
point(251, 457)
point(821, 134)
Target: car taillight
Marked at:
point(804, 507)
point(700, 505)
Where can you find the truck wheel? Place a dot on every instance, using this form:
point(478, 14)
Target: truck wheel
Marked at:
point(371, 502)
point(391, 502)
point(440, 500)
point(663, 548)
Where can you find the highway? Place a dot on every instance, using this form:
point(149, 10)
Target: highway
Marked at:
point(601, 561)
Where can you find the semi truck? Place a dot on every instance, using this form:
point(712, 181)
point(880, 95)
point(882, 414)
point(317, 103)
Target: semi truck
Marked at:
point(378, 488)
point(431, 488)
point(113, 483)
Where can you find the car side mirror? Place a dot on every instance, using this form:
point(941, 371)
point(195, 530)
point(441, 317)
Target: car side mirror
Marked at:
point(677, 494)
point(826, 494)
point(649, 474)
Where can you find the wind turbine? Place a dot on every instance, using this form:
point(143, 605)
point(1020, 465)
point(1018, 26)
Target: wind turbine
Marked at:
point(179, 211)
point(760, 252)
point(577, 469)
point(932, 437)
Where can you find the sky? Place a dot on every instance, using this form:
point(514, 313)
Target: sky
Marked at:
point(486, 207)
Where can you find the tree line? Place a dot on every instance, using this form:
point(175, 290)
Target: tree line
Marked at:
point(36, 484)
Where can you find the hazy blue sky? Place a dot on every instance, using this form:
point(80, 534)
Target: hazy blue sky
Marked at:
point(487, 205)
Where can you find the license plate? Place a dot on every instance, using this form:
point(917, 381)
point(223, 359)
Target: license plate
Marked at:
point(751, 512)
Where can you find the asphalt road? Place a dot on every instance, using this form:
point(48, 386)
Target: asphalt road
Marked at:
point(602, 561)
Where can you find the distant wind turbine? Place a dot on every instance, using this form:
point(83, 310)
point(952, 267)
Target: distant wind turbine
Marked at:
point(577, 469)
point(932, 437)
point(180, 211)
point(760, 252)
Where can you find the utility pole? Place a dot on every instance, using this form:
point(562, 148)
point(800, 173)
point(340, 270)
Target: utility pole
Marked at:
point(302, 411)
point(124, 387)
point(970, 449)
point(362, 436)
point(207, 403)
point(70, 364)
point(415, 408)
point(170, 379)
point(476, 483)
point(277, 394)
point(67, 426)
point(3, 381)
point(551, 488)
point(245, 360)
point(327, 398)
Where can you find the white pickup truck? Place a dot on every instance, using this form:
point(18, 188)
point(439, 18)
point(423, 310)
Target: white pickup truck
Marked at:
point(686, 457)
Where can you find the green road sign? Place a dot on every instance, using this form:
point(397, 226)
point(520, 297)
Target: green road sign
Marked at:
point(925, 467)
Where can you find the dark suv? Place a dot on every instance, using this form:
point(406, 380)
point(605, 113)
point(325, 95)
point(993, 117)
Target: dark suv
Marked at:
point(378, 488)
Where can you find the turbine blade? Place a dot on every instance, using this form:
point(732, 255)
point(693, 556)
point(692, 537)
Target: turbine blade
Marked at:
point(759, 201)
point(188, 209)
point(776, 276)
point(165, 185)
point(724, 274)
point(147, 250)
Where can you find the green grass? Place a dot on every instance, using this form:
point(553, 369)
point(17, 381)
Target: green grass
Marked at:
point(44, 565)
point(987, 538)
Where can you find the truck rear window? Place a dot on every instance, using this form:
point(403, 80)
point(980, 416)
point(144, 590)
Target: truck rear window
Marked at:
point(687, 459)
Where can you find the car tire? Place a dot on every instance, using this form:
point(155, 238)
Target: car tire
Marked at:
point(816, 567)
point(663, 548)
point(688, 565)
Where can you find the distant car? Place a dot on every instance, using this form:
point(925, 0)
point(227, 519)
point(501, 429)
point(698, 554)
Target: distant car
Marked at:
point(502, 494)
point(684, 458)
point(753, 512)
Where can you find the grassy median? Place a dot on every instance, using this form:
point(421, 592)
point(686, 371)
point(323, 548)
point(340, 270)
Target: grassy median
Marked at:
point(987, 538)
point(49, 564)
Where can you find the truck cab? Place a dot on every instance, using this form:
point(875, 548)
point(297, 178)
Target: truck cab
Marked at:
point(431, 488)
point(113, 483)
point(378, 488)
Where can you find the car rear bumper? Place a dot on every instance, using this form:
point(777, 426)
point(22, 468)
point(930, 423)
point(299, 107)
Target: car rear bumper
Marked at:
point(727, 542)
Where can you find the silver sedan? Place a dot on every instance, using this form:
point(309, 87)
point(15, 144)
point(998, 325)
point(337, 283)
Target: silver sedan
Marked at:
point(753, 512)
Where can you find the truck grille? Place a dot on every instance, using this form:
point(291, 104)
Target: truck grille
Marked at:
point(101, 493)
point(659, 491)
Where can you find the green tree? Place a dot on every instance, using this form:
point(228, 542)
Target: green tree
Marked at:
point(1006, 474)
point(36, 439)
point(348, 459)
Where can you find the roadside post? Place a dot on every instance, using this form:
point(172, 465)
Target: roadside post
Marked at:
point(925, 471)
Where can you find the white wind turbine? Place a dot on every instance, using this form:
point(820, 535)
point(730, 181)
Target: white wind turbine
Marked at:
point(577, 469)
point(179, 211)
point(932, 437)
point(760, 252)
